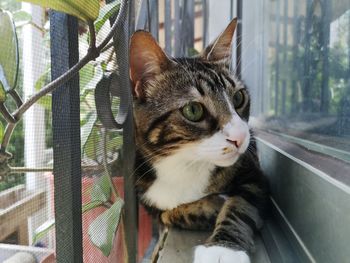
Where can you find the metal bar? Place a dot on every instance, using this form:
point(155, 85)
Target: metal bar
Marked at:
point(155, 19)
point(128, 153)
point(306, 84)
point(285, 50)
point(296, 30)
point(326, 28)
point(66, 140)
point(167, 25)
point(239, 39)
point(178, 28)
point(277, 51)
point(149, 16)
point(141, 20)
point(188, 24)
point(205, 15)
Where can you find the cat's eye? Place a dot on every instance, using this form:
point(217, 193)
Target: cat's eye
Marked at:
point(238, 99)
point(193, 111)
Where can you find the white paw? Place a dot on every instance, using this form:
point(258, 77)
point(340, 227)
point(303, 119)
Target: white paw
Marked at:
point(217, 254)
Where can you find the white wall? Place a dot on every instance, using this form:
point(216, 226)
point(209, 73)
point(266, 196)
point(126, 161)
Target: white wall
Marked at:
point(34, 125)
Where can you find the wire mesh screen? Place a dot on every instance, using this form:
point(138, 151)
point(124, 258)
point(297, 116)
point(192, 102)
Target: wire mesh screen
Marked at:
point(66, 128)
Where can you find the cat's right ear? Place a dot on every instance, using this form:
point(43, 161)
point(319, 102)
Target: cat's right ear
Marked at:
point(147, 60)
point(220, 49)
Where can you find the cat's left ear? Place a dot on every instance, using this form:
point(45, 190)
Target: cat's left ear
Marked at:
point(220, 50)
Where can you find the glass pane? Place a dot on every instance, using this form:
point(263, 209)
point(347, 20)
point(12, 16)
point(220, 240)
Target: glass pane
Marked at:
point(304, 81)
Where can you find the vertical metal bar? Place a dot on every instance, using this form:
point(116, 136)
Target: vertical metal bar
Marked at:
point(285, 50)
point(141, 20)
point(296, 32)
point(178, 28)
point(154, 18)
point(128, 153)
point(326, 28)
point(277, 50)
point(306, 86)
point(149, 16)
point(205, 14)
point(239, 39)
point(167, 25)
point(188, 25)
point(66, 140)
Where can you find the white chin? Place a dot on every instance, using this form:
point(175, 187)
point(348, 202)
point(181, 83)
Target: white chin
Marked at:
point(225, 162)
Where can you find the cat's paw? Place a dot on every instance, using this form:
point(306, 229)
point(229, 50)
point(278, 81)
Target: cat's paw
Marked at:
point(217, 254)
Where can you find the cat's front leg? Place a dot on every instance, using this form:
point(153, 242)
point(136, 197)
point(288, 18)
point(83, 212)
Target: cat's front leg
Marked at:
point(198, 215)
point(233, 235)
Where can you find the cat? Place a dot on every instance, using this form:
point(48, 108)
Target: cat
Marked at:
point(196, 164)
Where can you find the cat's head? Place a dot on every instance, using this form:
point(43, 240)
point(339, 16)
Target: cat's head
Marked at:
point(193, 107)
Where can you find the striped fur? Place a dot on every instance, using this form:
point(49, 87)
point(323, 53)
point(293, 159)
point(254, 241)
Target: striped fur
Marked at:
point(228, 199)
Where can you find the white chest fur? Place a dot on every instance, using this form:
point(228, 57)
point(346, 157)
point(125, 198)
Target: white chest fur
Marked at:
point(178, 181)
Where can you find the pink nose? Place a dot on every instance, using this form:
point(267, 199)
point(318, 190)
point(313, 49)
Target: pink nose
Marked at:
point(236, 138)
point(235, 143)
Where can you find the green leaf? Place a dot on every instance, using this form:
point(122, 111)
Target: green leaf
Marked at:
point(83, 9)
point(98, 74)
point(9, 59)
point(91, 205)
point(85, 75)
point(42, 230)
point(115, 143)
point(21, 18)
point(2, 92)
point(102, 230)
point(91, 146)
point(91, 80)
point(1, 131)
point(101, 190)
point(87, 128)
point(105, 13)
point(45, 78)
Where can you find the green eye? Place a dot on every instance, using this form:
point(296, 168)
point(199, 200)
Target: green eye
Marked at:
point(238, 99)
point(193, 111)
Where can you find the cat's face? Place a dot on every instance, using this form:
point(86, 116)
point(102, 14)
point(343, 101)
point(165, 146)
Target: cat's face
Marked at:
point(191, 107)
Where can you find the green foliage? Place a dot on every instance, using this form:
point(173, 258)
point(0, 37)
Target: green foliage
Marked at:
point(21, 18)
point(9, 60)
point(42, 230)
point(101, 190)
point(44, 79)
point(1, 131)
point(91, 205)
point(84, 9)
point(11, 181)
point(102, 230)
point(2, 88)
point(105, 13)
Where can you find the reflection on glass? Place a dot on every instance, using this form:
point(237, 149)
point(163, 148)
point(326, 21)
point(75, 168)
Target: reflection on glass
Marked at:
point(309, 70)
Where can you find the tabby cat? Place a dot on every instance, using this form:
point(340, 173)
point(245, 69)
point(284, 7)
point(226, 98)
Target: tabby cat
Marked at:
point(196, 163)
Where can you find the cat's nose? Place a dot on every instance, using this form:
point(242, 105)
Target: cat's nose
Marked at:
point(236, 138)
point(236, 131)
point(235, 143)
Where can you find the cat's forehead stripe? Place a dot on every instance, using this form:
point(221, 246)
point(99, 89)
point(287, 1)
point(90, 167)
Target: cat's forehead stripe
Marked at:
point(230, 106)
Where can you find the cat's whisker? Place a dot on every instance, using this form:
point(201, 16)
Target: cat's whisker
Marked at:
point(151, 157)
point(246, 49)
point(248, 64)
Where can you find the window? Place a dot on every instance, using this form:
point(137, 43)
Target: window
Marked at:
point(296, 59)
